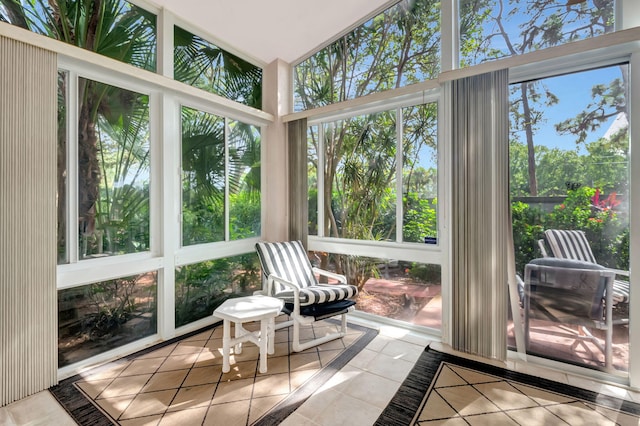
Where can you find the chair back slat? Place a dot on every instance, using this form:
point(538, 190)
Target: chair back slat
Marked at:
point(287, 260)
point(569, 244)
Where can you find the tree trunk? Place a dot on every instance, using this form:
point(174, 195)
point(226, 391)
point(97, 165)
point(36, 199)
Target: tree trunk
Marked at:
point(531, 154)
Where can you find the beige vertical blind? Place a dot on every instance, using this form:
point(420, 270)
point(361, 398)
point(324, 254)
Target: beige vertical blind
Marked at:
point(298, 181)
point(480, 210)
point(28, 307)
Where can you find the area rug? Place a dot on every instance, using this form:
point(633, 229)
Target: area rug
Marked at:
point(446, 389)
point(181, 381)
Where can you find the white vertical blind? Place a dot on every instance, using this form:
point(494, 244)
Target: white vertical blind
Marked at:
point(480, 210)
point(28, 308)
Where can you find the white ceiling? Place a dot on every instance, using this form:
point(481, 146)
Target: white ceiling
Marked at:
point(266, 30)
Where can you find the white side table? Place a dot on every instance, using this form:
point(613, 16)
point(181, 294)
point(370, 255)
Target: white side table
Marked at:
point(246, 309)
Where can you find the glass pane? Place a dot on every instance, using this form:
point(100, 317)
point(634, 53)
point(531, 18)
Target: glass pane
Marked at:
point(569, 154)
point(420, 174)
point(244, 180)
point(360, 169)
point(312, 177)
point(113, 170)
point(404, 291)
point(496, 29)
point(61, 196)
point(126, 32)
point(204, 65)
point(399, 47)
point(203, 177)
point(202, 287)
point(98, 317)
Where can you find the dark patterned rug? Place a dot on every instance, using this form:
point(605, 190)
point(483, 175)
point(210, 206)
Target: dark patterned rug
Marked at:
point(447, 388)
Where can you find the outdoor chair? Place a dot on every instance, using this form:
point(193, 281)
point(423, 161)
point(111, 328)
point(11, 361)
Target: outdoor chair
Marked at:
point(573, 244)
point(572, 292)
point(287, 274)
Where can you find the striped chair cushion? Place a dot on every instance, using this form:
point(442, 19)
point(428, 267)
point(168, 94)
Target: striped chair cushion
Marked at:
point(571, 244)
point(568, 244)
point(289, 261)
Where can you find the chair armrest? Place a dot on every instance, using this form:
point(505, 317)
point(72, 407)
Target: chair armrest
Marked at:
point(543, 249)
point(341, 278)
point(619, 272)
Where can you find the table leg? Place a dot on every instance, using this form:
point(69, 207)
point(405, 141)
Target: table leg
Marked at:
point(264, 338)
point(239, 331)
point(226, 345)
point(271, 348)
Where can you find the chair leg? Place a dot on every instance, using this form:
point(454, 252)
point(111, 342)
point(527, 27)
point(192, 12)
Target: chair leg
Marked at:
point(299, 347)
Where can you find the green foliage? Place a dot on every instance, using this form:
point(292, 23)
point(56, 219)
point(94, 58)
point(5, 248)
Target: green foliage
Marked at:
point(425, 273)
point(419, 218)
point(606, 229)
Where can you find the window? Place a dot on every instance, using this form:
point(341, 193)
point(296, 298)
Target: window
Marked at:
point(98, 317)
point(128, 32)
point(220, 178)
point(204, 65)
point(496, 29)
point(394, 49)
point(569, 155)
point(361, 156)
point(111, 156)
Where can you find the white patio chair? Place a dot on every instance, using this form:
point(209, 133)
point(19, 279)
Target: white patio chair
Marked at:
point(288, 275)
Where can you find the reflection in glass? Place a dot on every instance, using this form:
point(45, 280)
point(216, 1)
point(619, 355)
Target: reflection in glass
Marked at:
point(202, 287)
point(312, 177)
point(203, 177)
point(98, 317)
point(113, 170)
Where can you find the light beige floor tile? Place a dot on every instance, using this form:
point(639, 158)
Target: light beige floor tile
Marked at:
point(115, 406)
point(386, 366)
point(327, 356)
point(542, 397)
point(276, 365)
point(472, 376)
point(341, 379)
point(579, 414)
point(304, 361)
point(363, 358)
point(332, 345)
point(189, 347)
point(233, 390)
point(379, 343)
point(147, 404)
point(203, 375)
point(505, 396)
point(142, 421)
point(178, 362)
point(209, 357)
point(240, 370)
point(348, 411)
point(93, 388)
point(492, 419)
point(129, 385)
point(466, 400)
point(165, 380)
point(110, 372)
point(403, 350)
point(319, 402)
point(281, 349)
point(618, 417)
point(534, 416)
point(260, 406)
point(436, 408)
point(249, 352)
point(159, 353)
point(296, 419)
point(447, 377)
point(205, 335)
point(455, 421)
point(372, 389)
point(298, 378)
point(193, 416)
point(193, 397)
point(228, 414)
point(142, 366)
point(276, 384)
point(36, 410)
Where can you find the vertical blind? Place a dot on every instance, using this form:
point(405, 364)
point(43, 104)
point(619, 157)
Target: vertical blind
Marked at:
point(298, 181)
point(480, 209)
point(28, 297)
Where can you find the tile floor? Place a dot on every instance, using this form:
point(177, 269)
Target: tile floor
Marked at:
point(356, 395)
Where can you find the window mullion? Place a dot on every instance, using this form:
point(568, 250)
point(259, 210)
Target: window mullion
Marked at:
point(227, 204)
point(72, 167)
point(399, 175)
point(320, 179)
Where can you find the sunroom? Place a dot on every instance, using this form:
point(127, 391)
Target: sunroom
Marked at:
point(420, 148)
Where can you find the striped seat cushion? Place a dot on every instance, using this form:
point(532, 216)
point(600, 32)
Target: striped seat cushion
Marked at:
point(289, 261)
point(572, 244)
